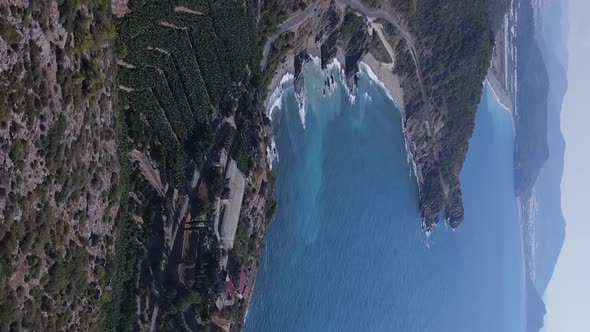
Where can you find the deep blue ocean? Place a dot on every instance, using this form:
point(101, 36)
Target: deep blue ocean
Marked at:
point(346, 251)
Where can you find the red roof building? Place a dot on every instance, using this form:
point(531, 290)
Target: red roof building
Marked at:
point(243, 287)
point(230, 289)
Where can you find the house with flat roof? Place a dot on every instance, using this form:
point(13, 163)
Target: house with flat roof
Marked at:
point(231, 204)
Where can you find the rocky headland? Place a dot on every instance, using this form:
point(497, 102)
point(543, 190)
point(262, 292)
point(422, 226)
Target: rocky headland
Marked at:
point(432, 65)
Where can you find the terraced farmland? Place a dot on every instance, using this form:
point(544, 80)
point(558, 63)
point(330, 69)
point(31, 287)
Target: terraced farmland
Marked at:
point(188, 74)
point(178, 59)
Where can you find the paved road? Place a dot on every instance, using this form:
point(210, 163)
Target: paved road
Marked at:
point(290, 23)
point(298, 18)
point(178, 224)
point(373, 14)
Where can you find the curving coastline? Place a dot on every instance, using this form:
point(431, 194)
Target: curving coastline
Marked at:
point(438, 111)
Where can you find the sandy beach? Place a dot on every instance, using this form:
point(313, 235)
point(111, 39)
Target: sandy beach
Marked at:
point(286, 67)
point(388, 80)
point(503, 97)
point(382, 72)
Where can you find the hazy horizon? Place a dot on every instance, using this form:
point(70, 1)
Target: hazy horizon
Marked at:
point(568, 294)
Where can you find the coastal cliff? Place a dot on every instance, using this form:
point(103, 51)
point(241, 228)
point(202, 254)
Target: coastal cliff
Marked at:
point(434, 55)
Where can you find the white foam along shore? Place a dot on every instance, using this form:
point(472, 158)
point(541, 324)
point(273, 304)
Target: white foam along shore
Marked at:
point(377, 72)
point(389, 82)
point(385, 79)
point(272, 153)
point(276, 103)
point(276, 98)
point(369, 65)
point(497, 95)
point(373, 77)
point(504, 107)
point(382, 75)
point(335, 64)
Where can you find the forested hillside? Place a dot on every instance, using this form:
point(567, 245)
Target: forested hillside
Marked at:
point(442, 63)
point(58, 165)
point(114, 131)
point(188, 74)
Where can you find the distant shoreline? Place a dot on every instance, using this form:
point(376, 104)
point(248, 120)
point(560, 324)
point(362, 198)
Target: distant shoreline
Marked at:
point(503, 98)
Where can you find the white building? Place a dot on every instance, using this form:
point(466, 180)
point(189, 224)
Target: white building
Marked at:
point(231, 205)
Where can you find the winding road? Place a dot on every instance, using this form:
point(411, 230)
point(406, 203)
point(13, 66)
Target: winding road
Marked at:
point(380, 13)
point(295, 20)
point(290, 23)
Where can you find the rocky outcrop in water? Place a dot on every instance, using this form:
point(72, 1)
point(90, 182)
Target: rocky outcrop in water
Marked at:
point(439, 70)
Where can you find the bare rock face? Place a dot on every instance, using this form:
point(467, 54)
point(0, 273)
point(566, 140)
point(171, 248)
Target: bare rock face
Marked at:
point(337, 34)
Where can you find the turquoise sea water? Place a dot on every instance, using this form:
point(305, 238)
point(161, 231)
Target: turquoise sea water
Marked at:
point(346, 252)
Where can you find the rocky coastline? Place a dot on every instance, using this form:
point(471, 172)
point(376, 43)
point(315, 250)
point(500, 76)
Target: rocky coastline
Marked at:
point(383, 40)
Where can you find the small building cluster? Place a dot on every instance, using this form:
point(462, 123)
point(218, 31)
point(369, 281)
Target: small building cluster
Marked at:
point(235, 285)
point(233, 289)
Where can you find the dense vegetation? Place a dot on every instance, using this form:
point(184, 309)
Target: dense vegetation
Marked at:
point(185, 88)
point(187, 76)
point(274, 12)
point(454, 42)
point(451, 85)
point(182, 64)
point(57, 163)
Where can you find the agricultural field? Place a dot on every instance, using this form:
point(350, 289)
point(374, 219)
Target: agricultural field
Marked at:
point(112, 116)
point(187, 80)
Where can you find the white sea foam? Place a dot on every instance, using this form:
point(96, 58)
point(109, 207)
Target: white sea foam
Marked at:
point(373, 77)
point(316, 60)
point(496, 95)
point(336, 65)
point(276, 98)
point(272, 153)
point(427, 240)
point(349, 92)
point(331, 85)
point(286, 78)
point(301, 102)
point(329, 76)
point(276, 104)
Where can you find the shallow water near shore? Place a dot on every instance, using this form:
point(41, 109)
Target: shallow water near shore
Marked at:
point(346, 251)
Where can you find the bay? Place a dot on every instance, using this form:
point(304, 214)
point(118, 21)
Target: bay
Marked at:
point(345, 251)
